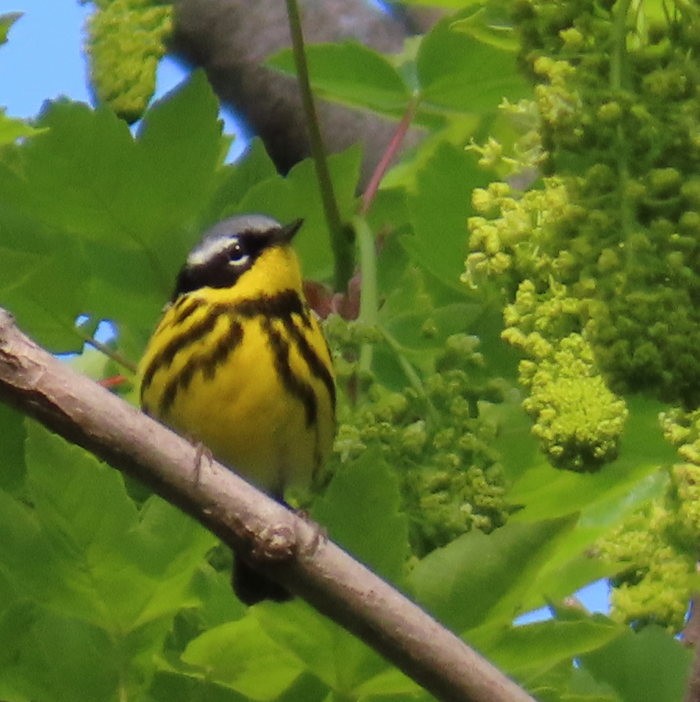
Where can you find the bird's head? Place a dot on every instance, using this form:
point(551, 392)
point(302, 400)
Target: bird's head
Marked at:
point(252, 247)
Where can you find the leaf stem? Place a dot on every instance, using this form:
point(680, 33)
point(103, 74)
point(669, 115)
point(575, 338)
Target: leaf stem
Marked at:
point(107, 351)
point(369, 314)
point(341, 237)
point(369, 297)
point(387, 156)
point(411, 374)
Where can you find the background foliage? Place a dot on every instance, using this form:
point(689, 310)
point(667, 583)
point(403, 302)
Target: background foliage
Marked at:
point(499, 443)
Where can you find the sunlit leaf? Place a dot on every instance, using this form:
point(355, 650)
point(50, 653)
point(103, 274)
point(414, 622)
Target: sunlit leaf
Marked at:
point(439, 208)
point(360, 509)
point(329, 652)
point(478, 578)
point(6, 22)
point(527, 651)
point(458, 72)
point(13, 129)
point(351, 73)
point(489, 25)
point(241, 656)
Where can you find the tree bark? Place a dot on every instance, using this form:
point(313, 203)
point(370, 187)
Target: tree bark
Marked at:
point(231, 39)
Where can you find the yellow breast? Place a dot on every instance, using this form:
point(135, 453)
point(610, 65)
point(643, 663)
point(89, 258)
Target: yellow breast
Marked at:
point(246, 371)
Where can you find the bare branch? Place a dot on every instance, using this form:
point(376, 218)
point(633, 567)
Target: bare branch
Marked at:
point(284, 546)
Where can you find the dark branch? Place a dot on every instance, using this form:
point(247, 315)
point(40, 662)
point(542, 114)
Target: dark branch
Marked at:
point(231, 39)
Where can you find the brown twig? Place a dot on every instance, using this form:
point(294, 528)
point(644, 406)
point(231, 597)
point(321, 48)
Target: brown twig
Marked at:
point(109, 352)
point(281, 544)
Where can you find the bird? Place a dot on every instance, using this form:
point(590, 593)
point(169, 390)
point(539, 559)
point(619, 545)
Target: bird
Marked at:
point(239, 363)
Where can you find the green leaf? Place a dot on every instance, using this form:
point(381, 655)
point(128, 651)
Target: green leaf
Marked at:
point(519, 450)
point(330, 653)
point(240, 655)
point(528, 651)
point(6, 22)
point(305, 634)
point(479, 578)
point(93, 569)
point(64, 659)
point(254, 167)
point(77, 499)
point(439, 209)
point(389, 684)
point(603, 499)
point(360, 510)
point(212, 588)
point(180, 147)
point(15, 619)
point(101, 220)
point(352, 74)
point(566, 683)
point(168, 547)
point(490, 24)
point(12, 129)
point(645, 665)
point(29, 565)
point(72, 171)
point(457, 72)
point(421, 331)
point(30, 265)
point(177, 687)
point(569, 568)
point(12, 464)
point(88, 551)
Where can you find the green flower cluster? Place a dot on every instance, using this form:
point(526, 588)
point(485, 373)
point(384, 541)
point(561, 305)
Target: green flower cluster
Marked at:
point(658, 546)
point(577, 419)
point(657, 578)
point(617, 219)
point(126, 39)
point(435, 439)
point(682, 429)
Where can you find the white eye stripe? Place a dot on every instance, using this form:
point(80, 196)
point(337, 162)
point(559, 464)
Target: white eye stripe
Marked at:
point(209, 249)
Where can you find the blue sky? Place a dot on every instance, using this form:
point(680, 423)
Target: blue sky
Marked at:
point(43, 60)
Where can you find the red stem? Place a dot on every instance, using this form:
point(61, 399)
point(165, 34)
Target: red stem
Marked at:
point(391, 149)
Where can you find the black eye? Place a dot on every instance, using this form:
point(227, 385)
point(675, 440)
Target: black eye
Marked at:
point(236, 253)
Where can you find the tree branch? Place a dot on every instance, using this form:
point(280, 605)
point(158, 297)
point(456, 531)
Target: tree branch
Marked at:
point(231, 39)
point(281, 544)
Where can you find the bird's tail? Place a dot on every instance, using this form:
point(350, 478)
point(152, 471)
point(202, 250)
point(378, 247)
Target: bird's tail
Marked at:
point(252, 587)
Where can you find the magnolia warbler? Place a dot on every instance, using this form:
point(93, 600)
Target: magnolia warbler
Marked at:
point(239, 362)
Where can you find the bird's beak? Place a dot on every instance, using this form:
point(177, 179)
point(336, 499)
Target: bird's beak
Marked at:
point(286, 233)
